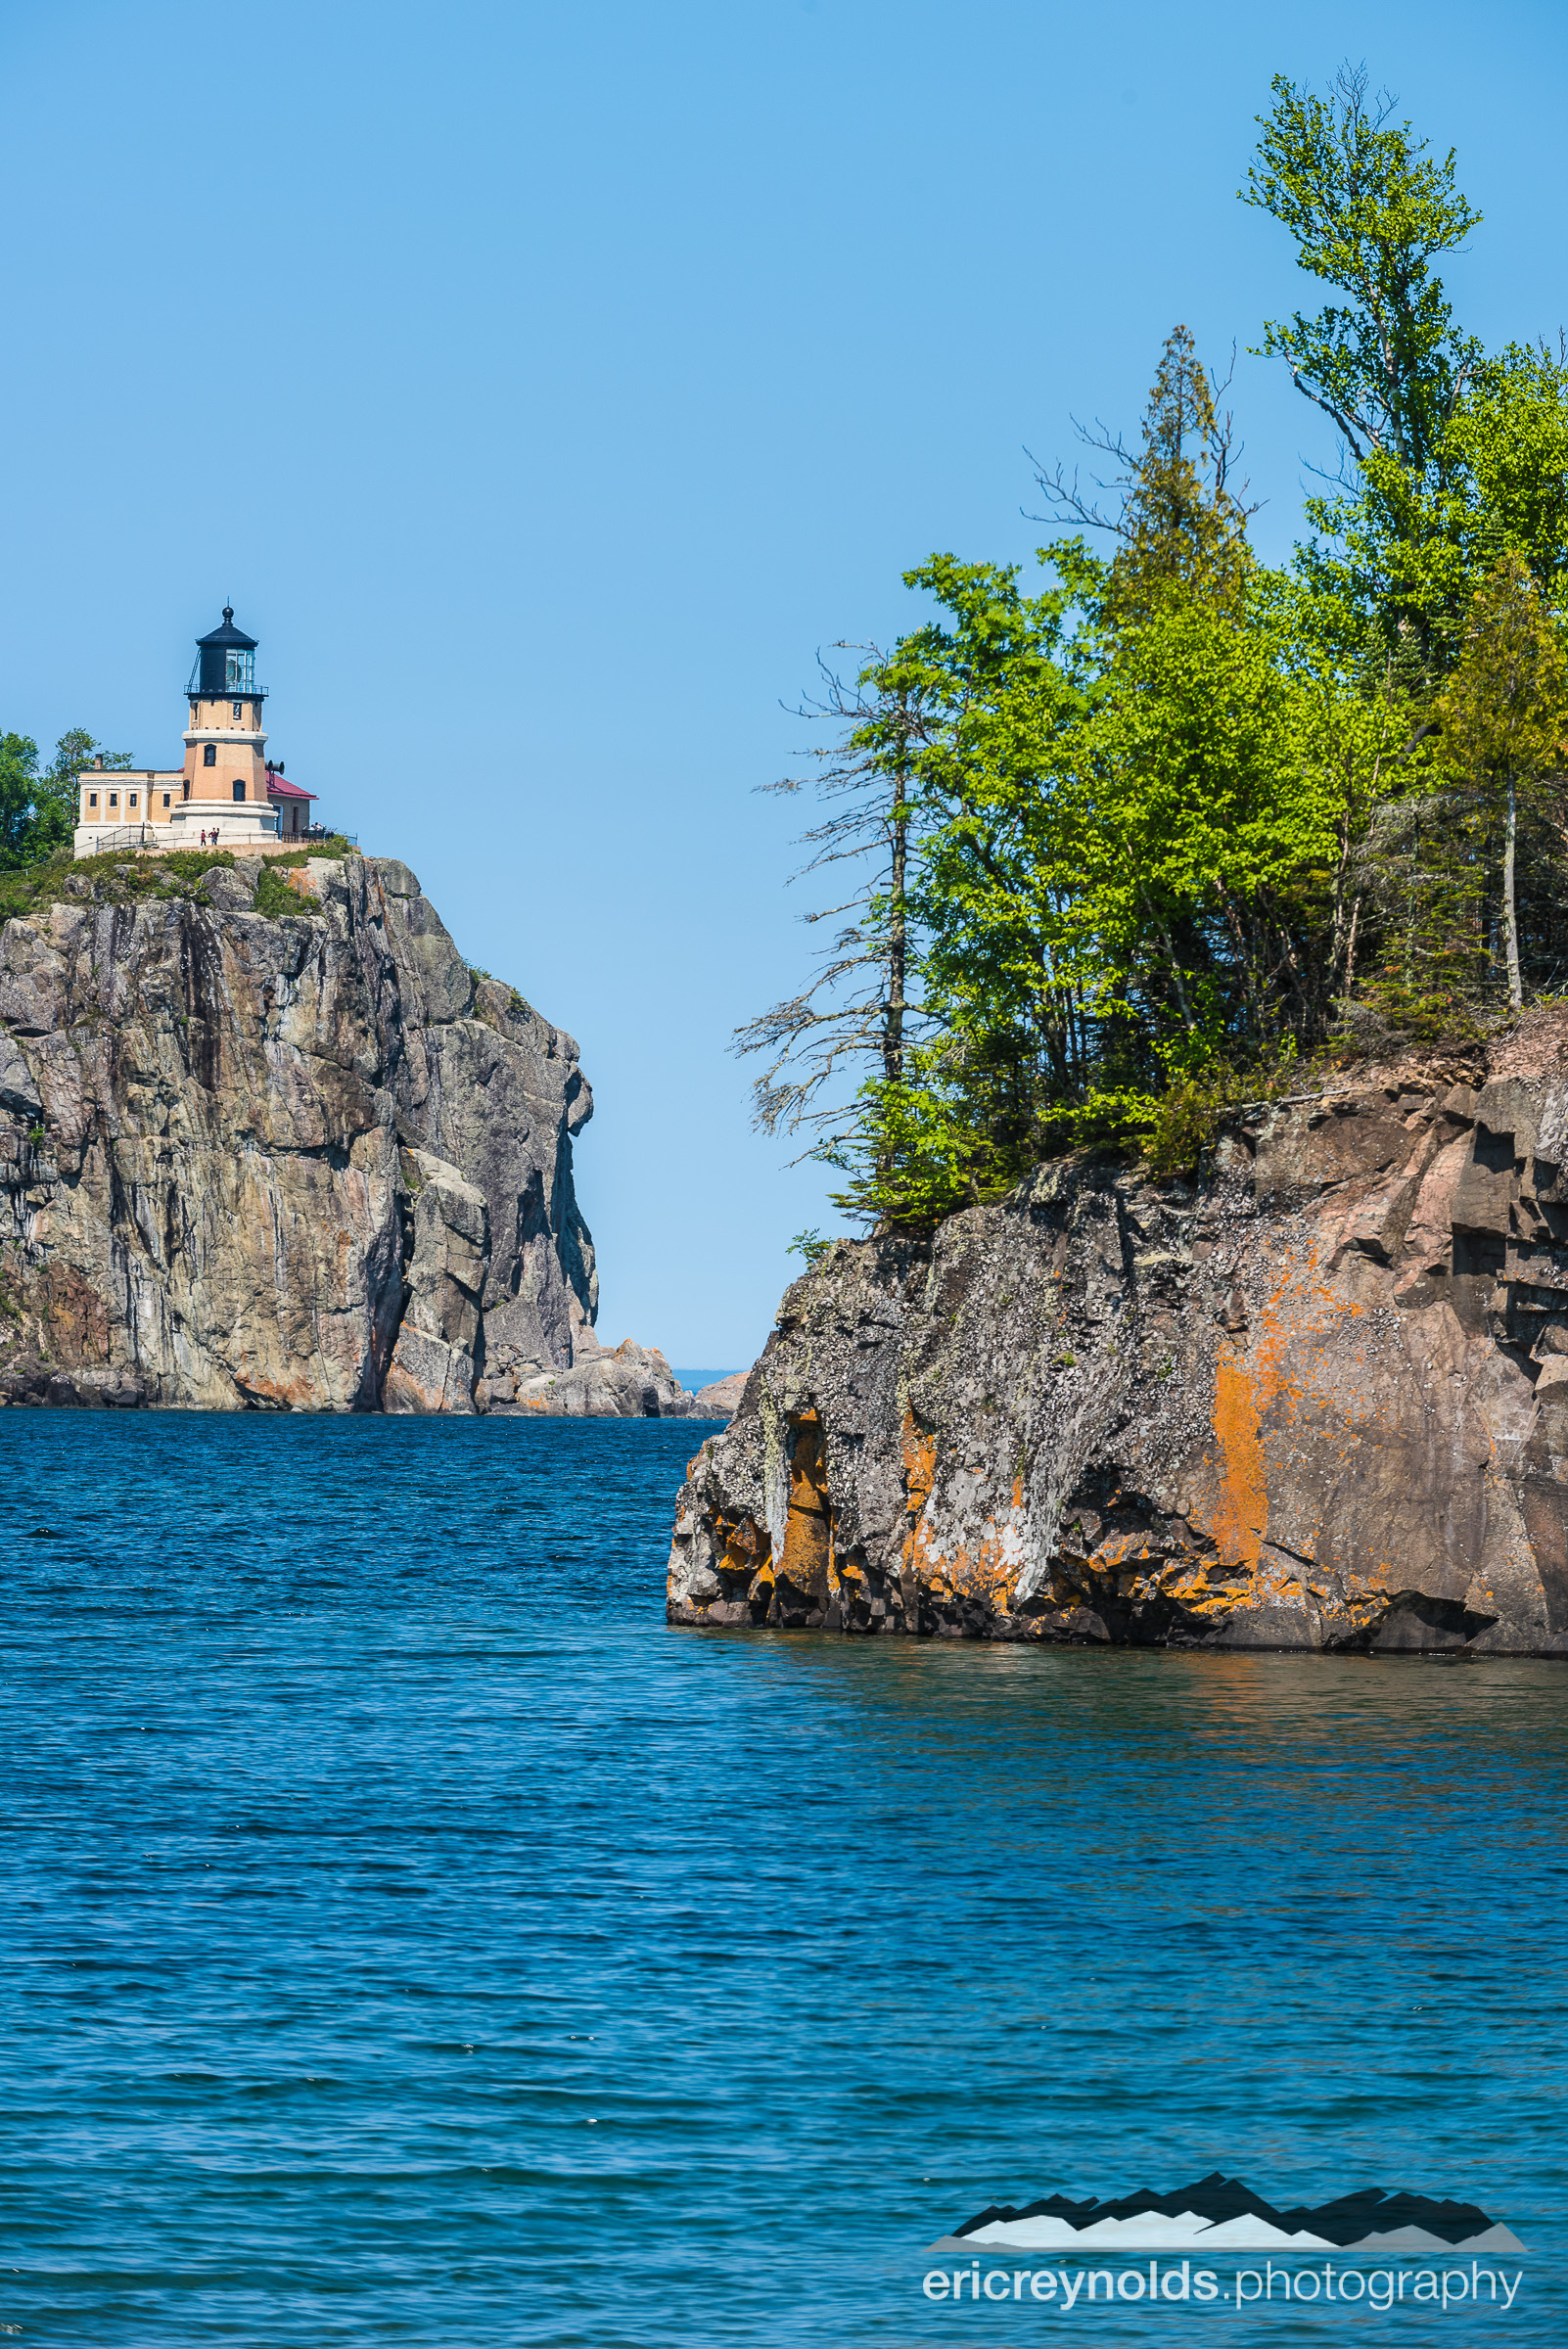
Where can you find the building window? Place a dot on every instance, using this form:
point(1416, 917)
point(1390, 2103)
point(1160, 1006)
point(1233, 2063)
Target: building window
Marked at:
point(239, 791)
point(165, 799)
point(92, 799)
point(132, 801)
point(113, 799)
point(209, 755)
point(239, 673)
point(239, 709)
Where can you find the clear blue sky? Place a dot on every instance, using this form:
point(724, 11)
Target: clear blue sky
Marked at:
point(544, 384)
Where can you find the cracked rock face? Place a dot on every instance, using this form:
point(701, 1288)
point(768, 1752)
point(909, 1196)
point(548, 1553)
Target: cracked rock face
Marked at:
point(1318, 1399)
point(302, 1164)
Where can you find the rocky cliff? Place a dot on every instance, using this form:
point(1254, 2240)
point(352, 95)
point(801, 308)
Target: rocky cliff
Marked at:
point(1316, 1398)
point(311, 1161)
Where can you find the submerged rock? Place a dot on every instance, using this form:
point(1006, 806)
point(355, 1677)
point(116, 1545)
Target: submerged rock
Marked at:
point(301, 1164)
point(1318, 1398)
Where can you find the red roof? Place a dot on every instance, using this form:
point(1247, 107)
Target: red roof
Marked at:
point(279, 788)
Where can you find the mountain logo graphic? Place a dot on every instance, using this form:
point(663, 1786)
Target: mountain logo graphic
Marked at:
point(1218, 2213)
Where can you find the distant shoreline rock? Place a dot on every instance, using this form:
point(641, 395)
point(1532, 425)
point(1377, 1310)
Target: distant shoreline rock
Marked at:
point(622, 1382)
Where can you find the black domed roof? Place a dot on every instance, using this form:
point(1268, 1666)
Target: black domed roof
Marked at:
point(229, 638)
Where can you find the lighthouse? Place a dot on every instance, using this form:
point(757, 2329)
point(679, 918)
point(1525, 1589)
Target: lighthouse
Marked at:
point(225, 748)
point(226, 794)
point(224, 783)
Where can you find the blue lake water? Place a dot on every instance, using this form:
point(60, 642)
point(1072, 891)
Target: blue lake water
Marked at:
point(408, 1939)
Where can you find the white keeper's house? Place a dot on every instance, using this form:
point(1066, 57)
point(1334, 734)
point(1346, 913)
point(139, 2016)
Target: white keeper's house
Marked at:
point(228, 793)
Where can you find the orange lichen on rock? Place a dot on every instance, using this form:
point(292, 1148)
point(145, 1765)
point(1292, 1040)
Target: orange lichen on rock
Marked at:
point(919, 1463)
point(744, 1548)
point(1240, 1514)
point(807, 1523)
point(919, 1475)
point(743, 1558)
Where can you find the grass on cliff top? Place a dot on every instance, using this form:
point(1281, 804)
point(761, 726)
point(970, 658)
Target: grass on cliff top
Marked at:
point(127, 877)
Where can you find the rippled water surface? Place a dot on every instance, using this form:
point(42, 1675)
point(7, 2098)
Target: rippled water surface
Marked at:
point(409, 1939)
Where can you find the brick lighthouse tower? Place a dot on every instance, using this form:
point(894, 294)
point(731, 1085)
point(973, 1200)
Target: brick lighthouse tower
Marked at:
point(224, 785)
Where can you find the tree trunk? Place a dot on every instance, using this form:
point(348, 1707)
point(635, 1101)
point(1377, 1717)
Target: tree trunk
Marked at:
point(898, 958)
point(897, 948)
point(1510, 915)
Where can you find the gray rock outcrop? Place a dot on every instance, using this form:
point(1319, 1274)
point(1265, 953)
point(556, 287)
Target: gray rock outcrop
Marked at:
point(1316, 1399)
point(721, 1399)
point(622, 1382)
point(432, 1366)
point(308, 1163)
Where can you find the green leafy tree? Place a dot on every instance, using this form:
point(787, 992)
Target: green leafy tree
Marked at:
point(1142, 837)
point(18, 798)
point(1454, 457)
point(1503, 714)
point(1370, 208)
point(1456, 465)
point(38, 806)
point(1396, 567)
point(1140, 795)
point(1509, 441)
point(1231, 768)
